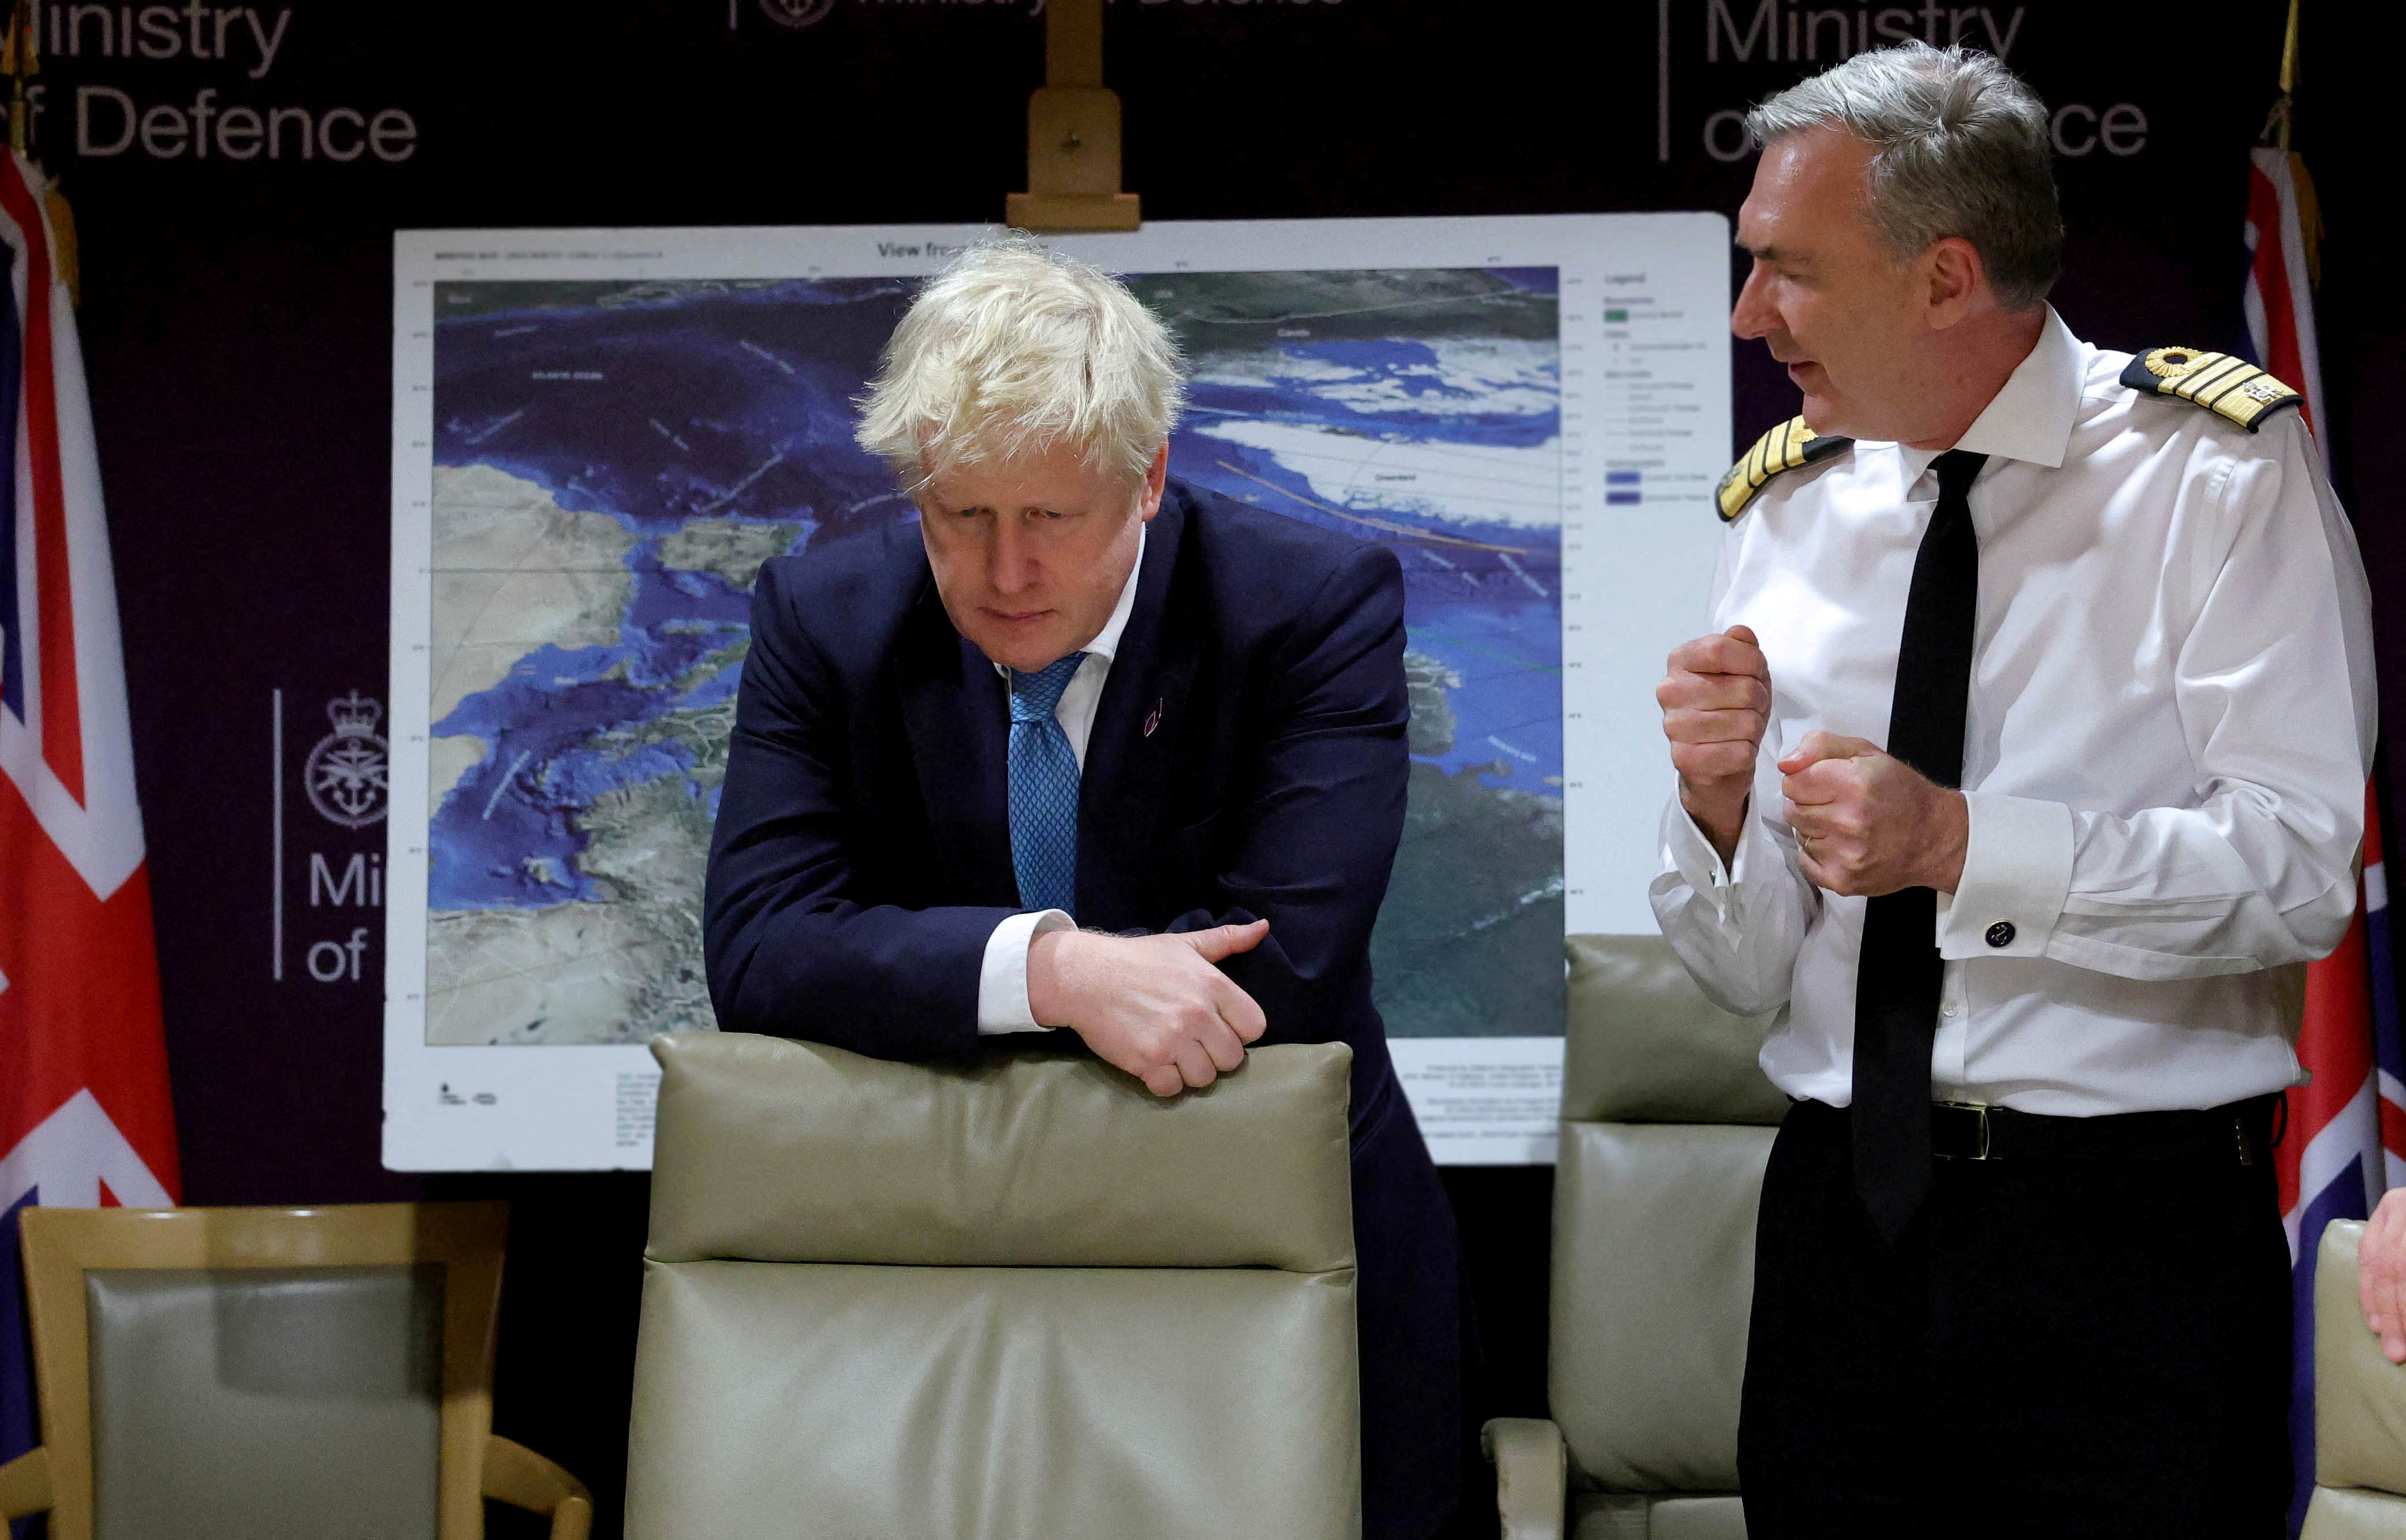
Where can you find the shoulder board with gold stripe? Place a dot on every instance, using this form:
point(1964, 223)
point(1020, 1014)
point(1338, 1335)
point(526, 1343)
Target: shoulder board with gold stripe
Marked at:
point(1784, 448)
point(2232, 386)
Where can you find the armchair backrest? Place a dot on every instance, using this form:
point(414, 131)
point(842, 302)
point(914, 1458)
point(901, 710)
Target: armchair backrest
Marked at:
point(1020, 1297)
point(1666, 1122)
point(281, 1374)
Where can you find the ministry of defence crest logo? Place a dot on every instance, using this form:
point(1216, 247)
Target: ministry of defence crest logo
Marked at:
point(346, 773)
point(795, 13)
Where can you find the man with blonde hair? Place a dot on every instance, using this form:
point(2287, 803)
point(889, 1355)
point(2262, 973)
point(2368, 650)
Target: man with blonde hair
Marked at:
point(1090, 751)
point(2021, 776)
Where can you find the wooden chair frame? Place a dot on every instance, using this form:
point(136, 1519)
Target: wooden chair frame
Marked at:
point(468, 1239)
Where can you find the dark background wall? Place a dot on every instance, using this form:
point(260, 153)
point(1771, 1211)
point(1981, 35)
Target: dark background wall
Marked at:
point(236, 318)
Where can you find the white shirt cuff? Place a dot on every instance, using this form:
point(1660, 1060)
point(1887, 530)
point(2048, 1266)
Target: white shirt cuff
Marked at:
point(1690, 853)
point(1002, 982)
point(2016, 871)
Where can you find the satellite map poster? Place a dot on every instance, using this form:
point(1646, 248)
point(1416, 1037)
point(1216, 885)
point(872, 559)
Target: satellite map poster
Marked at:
point(600, 435)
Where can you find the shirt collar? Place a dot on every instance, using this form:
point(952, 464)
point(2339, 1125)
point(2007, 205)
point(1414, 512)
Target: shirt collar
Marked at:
point(2031, 418)
point(1106, 641)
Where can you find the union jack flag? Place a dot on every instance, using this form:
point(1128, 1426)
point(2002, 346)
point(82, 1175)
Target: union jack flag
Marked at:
point(84, 1114)
point(2344, 1142)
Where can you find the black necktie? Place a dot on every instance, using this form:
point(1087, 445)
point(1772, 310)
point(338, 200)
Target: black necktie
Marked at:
point(1898, 977)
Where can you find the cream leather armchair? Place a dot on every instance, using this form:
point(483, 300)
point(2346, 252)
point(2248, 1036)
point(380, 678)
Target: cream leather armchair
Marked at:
point(1016, 1299)
point(279, 1374)
point(2359, 1407)
point(1667, 1123)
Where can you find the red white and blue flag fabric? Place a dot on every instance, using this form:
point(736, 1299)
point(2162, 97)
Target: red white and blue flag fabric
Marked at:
point(2344, 1140)
point(2279, 299)
point(84, 1113)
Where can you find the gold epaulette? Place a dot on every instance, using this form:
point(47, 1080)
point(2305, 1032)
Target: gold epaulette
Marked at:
point(2232, 386)
point(1784, 448)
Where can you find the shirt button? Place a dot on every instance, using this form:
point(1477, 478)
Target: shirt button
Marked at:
point(2002, 934)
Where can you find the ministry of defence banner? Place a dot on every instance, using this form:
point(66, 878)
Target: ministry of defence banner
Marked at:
point(600, 436)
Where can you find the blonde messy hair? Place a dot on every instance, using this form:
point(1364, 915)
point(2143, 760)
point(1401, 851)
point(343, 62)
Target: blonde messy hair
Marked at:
point(1012, 349)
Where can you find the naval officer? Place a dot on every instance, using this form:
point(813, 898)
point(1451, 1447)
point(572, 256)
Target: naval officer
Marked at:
point(2021, 773)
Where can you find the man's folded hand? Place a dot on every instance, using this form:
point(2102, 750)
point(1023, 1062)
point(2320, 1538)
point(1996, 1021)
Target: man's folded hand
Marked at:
point(1867, 823)
point(1154, 1005)
point(2380, 1274)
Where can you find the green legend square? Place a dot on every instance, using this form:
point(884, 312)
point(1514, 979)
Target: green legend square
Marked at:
point(1612, 316)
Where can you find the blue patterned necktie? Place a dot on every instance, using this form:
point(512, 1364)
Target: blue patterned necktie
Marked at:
point(1043, 790)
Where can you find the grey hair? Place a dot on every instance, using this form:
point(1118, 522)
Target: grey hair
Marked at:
point(1014, 349)
point(1960, 146)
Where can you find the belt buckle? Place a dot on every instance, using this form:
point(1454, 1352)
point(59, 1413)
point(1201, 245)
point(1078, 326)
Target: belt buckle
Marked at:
point(1981, 1110)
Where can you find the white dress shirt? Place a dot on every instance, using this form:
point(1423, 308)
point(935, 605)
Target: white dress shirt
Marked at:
point(1002, 983)
point(2171, 723)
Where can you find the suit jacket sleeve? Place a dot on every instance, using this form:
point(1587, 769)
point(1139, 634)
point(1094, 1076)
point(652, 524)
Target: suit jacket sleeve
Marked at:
point(1313, 832)
point(795, 944)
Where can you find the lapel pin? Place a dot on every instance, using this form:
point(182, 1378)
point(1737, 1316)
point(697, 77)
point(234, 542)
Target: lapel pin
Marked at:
point(1152, 721)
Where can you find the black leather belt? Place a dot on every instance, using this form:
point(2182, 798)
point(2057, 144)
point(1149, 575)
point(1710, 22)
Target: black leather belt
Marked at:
point(2237, 1134)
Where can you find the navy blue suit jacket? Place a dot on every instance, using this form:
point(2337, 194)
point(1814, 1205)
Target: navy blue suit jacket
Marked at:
point(1247, 760)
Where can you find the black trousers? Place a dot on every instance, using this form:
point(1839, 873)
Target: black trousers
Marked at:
point(1408, 1312)
point(2054, 1347)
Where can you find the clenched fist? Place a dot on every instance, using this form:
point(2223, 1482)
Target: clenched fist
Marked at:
point(1867, 823)
point(1154, 1005)
point(1714, 701)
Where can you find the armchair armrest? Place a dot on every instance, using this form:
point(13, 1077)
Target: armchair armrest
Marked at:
point(517, 1476)
point(1532, 1476)
point(25, 1485)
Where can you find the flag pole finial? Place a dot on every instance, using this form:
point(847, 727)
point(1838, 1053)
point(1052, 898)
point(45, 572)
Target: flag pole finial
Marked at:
point(2278, 121)
point(21, 57)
